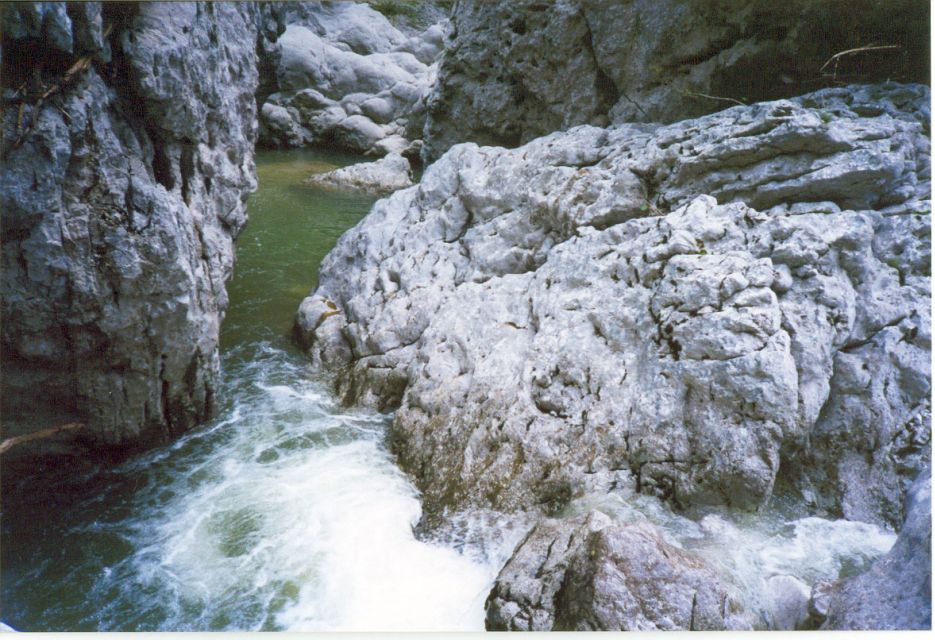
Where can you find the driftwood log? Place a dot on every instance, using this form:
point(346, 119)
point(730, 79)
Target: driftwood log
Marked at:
point(42, 434)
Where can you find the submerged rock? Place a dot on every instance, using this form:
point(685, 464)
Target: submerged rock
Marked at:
point(386, 175)
point(524, 68)
point(896, 592)
point(589, 574)
point(122, 193)
point(343, 75)
point(674, 303)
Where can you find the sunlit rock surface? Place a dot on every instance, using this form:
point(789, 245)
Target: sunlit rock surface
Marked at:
point(521, 69)
point(388, 174)
point(677, 308)
point(342, 75)
point(121, 196)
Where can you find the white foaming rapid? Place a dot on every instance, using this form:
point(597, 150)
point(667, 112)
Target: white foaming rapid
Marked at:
point(293, 517)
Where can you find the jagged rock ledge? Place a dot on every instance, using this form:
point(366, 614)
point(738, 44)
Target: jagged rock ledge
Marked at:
point(681, 308)
point(691, 310)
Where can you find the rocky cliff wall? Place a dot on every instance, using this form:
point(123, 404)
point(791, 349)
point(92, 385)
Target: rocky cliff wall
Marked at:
point(682, 309)
point(518, 70)
point(128, 134)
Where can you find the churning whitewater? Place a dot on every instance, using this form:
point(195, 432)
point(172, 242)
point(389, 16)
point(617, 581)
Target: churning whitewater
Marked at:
point(294, 517)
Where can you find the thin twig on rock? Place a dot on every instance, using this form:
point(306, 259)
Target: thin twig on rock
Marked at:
point(705, 95)
point(836, 58)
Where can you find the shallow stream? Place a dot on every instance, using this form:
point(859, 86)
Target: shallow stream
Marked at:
point(287, 511)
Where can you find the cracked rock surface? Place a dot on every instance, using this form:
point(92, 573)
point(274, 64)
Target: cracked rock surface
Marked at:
point(590, 574)
point(521, 69)
point(120, 205)
point(682, 308)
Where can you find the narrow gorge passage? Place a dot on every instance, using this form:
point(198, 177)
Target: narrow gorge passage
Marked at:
point(288, 513)
point(284, 513)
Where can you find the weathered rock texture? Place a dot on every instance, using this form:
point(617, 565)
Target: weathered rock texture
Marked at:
point(520, 69)
point(388, 174)
point(589, 574)
point(344, 76)
point(677, 307)
point(121, 196)
point(896, 593)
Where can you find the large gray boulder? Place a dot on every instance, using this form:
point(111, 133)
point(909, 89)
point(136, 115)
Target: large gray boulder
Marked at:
point(896, 592)
point(664, 306)
point(121, 195)
point(521, 69)
point(344, 76)
point(590, 574)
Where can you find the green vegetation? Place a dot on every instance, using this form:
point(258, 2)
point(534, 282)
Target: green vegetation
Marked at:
point(393, 8)
point(407, 10)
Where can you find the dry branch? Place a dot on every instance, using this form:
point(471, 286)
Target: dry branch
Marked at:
point(836, 58)
point(42, 434)
point(705, 95)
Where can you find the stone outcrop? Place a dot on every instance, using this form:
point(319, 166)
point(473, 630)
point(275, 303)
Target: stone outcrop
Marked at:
point(590, 574)
point(896, 592)
point(680, 308)
point(520, 69)
point(122, 192)
point(388, 174)
point(345, 77)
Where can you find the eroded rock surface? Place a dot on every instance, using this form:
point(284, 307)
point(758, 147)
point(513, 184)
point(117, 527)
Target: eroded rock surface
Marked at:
point(121, 196)
point(344, 76)
point(590, 574)
point(896, 592)
point(667, 306)
point(521, 69)
point(385, 175)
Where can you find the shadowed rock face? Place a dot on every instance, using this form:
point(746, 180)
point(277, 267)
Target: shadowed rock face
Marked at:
point(518, 70)
point(589, 574)
point(120, 204)
point(896, 593)
point(674, 307)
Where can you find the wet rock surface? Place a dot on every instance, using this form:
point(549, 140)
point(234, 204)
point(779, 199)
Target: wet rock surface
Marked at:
point(679, 308)
point(590, 574)
point(896, 592)
point(386, 175)
point(345, 77)
point(518, 70)
point(122, 192)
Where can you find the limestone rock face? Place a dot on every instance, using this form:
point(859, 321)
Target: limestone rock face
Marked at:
point(678, 307)
point(521, 69)
point(896, 592)
point(386, 175)
point(589, 574)
point(345, 76)
point(121, 197)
